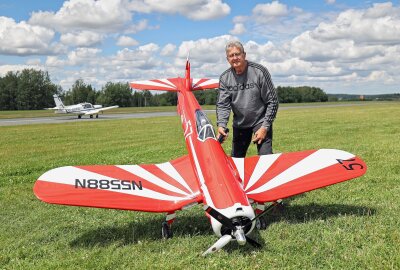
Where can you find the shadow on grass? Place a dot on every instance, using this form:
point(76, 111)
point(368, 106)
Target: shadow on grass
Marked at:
point(197, 225)
point(148, 230)
point(313, 211)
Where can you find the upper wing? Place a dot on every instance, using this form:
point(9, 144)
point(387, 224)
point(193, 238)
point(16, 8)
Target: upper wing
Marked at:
point(108, 108)
point(154, 188)
point(277, 176)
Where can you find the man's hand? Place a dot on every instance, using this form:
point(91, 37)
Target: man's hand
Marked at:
point(260, 135)
point(222, 133)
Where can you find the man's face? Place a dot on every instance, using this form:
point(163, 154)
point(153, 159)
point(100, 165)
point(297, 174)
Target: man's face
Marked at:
point(236, 58)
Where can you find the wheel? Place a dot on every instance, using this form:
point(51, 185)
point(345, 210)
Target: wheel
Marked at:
point(261, 223)
point(97, 116)
point(79, 116)
point(91, 116)
point(279, 208)
point(166, 231)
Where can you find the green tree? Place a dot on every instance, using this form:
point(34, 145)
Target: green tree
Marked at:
point(80, 92)
point(8, 91)
point(35, 90)
point(115, 94)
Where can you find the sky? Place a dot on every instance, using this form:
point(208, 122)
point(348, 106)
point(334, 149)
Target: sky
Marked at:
point(348, 47)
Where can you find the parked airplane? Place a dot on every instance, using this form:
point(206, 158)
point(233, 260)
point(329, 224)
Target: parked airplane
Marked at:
point(233, 190)
point(79, 109)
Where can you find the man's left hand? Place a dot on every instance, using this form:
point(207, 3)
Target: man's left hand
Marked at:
point(260, 135)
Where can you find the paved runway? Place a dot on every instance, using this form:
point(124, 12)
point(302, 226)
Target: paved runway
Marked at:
point(69, 118)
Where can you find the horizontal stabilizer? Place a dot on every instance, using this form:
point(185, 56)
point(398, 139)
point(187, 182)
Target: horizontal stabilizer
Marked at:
point(203, 84)
point(277, 176)
point(175, 84)
point(161, 84)
point(153, 188)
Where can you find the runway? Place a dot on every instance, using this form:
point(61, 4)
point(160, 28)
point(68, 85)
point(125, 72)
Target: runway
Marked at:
point(70, 118)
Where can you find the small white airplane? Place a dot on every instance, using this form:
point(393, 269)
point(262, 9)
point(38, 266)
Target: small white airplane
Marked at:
point(79, 109)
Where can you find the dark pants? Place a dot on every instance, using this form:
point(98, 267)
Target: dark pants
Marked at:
point(242, 138)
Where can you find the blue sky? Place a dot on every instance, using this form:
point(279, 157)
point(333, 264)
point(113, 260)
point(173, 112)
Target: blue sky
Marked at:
point(341, 46)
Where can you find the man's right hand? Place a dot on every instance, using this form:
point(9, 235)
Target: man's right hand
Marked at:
point(222, 134)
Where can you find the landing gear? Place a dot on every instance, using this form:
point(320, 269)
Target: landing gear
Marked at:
point(166, 231)
point(97, 116)
point(79, 116)
point(261, 210)
point(261, 223)
point(91, 116)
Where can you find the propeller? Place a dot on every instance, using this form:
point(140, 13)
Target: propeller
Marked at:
point(237, 232)
point(225, 239)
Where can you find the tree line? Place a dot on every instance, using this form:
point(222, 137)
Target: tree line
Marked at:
point(31, 89)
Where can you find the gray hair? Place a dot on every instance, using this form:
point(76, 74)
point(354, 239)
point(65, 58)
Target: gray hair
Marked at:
point(236, 44)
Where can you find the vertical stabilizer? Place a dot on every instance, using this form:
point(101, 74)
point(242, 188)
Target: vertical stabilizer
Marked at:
point(187, 74)
point(59, 103)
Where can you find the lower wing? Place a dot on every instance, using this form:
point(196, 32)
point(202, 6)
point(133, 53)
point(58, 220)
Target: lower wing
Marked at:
point(272, 177)
point(96, 111)
point(162, 187)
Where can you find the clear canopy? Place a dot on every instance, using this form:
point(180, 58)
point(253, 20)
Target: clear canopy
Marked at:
point(205, 129)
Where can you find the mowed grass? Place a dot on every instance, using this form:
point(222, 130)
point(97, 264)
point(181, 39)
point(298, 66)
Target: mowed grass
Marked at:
point(352, 225)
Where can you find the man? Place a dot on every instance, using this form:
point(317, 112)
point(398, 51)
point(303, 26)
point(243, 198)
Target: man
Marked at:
point(246, 89)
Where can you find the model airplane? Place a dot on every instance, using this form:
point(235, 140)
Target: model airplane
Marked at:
point(79, 109)
point(229, 188)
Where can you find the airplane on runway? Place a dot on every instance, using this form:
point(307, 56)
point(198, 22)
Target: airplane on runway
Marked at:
point(79, 109)
point(234, 191)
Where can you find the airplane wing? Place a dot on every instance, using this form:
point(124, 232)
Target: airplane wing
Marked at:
point(172, 84)
point(162, 187)
point(96, 111)
point(203, 84)
point(277, 176)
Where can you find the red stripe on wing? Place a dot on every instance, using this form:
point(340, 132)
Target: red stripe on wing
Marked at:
point(181, 165)
point(57, 193)
point(327, 176)
point(284, 161)
point(120, 174)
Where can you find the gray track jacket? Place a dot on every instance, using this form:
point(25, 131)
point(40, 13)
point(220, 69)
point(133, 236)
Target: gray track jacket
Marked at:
point(251, 96)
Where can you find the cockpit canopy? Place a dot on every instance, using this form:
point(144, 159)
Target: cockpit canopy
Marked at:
point(87, 106)
point(204, 127)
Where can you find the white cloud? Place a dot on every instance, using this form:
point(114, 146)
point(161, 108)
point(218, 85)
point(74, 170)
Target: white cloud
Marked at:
point(265, 13)
point(81, 39)
point(204, 50)
point(24, 39)
point(74, 15)
point(34, 62)
point(125, 41)
point(140, 26)
point(238, 29)
point(4, 69)
point(330, 2)
point(379, 24)
point(168, 50)
point(192, 9)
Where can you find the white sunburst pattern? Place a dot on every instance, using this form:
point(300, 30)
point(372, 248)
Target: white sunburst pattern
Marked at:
point(265, 173)
point(168, 185)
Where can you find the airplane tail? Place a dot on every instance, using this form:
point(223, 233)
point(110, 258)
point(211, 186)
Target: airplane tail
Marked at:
point(175, 84)
point(59, 103)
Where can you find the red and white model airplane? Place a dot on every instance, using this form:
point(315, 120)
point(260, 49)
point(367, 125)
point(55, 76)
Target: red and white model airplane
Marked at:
point(227, 187)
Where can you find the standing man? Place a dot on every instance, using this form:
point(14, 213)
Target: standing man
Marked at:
point(246, 89)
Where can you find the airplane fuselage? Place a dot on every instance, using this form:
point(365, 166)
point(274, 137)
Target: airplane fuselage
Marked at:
point(217, 176)
point(81, 108)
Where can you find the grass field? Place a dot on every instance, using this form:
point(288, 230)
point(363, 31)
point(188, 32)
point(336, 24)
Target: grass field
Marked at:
point(352, 225)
